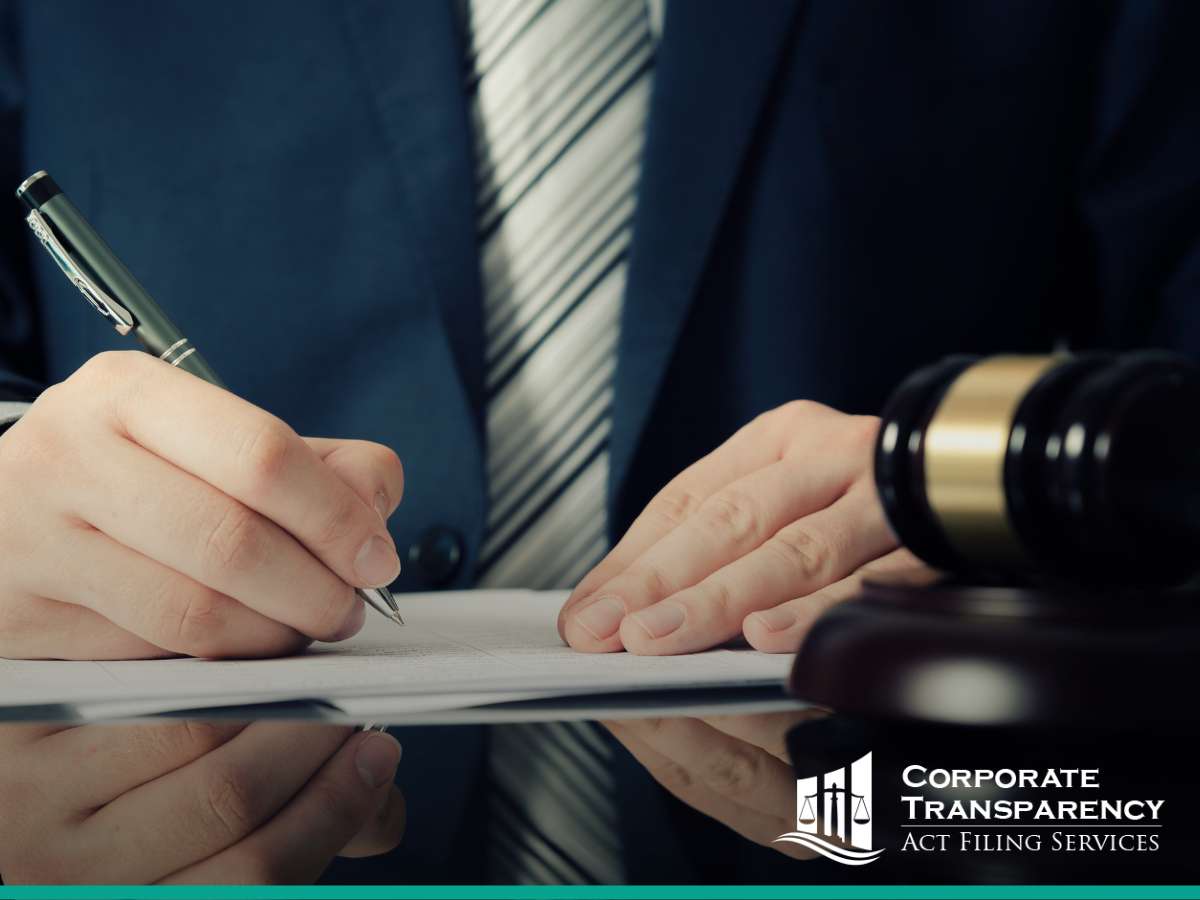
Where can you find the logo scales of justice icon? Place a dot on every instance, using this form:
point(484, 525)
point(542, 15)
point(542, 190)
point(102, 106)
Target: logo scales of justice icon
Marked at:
point(833, 814)
point(806, 816)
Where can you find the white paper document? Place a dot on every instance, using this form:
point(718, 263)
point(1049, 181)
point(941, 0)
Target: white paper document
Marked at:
point(458, 650)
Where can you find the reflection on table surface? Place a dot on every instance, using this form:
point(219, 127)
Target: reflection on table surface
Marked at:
point(221, 800)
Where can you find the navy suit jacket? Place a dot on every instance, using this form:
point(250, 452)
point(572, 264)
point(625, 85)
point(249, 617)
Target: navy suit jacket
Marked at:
point(833, 194)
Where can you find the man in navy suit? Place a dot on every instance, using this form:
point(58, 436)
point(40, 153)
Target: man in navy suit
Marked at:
point(827, 196)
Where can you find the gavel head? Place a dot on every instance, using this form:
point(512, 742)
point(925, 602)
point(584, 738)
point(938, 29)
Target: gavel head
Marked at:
point(1085, 467)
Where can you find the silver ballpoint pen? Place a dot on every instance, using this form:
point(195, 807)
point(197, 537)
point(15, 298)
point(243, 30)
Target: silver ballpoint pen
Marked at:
point(92, 266)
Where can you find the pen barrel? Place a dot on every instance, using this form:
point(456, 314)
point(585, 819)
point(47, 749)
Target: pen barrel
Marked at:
point(183, 355)
point(154, 329)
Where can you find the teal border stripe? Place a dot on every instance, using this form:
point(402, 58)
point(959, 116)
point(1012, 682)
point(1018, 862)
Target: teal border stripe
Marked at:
point(691, 892)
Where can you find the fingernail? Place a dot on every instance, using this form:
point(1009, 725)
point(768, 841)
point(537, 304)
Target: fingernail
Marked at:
point(381, 506)
point(660, 619)
point(777, 619)
point(353, 622)
point(377, 758)
point(377, 563)
point(601, 618)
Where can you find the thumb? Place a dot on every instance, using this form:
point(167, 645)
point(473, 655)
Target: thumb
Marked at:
point(371, 470)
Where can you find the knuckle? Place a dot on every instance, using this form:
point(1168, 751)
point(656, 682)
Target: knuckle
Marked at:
point(721, 604)
point(230, 804)
point(338, 806)
point(796, 412)
point(114, 375)
point(652, 582)
point(733, 516)
point(340, 522)
point(858, 437)
point(654, 725)
point(673, 507)
point(198, 737)
point(119, 377)
point(332, 611)
point(176, 742)
point(806, 555)
point(265, 454)
point(794, 408)
point(675, 778)
point(864, 429)
point(196, 622)
point(109, 365)
point(780, 426)
point(236, 543)
point(733, 772)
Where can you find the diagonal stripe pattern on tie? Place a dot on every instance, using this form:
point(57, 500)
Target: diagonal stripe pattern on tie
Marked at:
point(559, 91)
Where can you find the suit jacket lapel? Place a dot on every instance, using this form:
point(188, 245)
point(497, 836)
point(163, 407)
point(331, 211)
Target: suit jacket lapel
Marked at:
point(412, 59)
point(714, 64)
point(713, 67)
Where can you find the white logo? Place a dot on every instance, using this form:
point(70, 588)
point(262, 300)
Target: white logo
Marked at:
point(833, 814)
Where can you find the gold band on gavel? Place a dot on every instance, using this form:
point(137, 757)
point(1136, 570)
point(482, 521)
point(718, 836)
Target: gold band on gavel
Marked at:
point(965, 446)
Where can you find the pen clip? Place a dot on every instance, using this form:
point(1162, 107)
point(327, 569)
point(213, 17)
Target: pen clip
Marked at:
point(99, 298)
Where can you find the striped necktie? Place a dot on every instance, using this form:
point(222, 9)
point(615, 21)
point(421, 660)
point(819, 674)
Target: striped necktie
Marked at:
point(559, 91)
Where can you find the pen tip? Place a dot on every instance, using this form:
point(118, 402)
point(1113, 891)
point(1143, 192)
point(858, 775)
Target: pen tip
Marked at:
point(395, 617)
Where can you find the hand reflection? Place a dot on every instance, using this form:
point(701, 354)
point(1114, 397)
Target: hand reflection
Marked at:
point(193, 801)
point(734, 769)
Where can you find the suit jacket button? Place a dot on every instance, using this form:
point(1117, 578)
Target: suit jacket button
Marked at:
point(438, 554)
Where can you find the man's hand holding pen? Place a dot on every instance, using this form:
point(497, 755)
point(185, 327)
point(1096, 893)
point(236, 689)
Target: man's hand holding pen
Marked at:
point(181, 802)
point(156, 514)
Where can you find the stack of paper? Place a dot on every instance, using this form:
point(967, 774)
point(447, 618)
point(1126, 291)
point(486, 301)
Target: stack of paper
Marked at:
point(462, 657)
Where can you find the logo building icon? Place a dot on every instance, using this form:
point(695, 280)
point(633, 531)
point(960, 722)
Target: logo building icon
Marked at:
point(833, 814)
